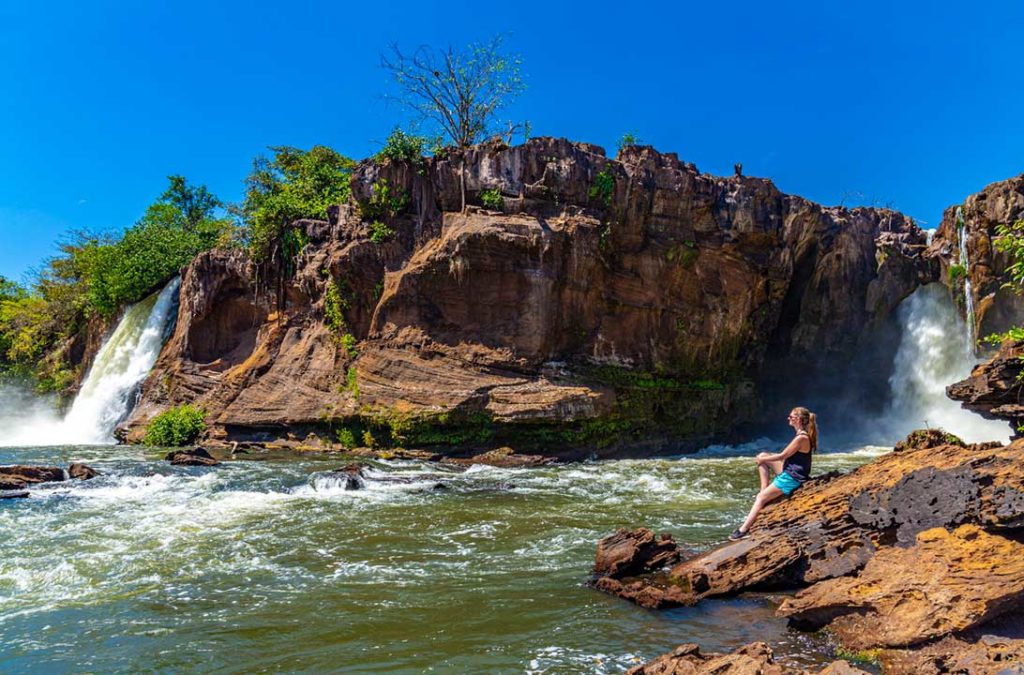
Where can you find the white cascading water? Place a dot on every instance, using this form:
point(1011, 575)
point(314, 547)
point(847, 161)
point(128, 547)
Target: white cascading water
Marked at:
point(966, 264)
point(935, 351)
point(108, 391)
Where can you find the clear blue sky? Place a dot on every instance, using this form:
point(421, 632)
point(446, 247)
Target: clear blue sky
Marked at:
point(913, 104)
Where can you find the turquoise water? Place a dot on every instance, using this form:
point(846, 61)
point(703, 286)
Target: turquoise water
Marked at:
point(268, 564)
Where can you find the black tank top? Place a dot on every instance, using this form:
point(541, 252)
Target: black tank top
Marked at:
point(798, 465)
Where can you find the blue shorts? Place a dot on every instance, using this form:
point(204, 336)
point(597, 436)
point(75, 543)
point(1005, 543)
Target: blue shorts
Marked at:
point(786, 483)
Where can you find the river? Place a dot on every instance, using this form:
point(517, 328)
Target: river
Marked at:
point(268, 564)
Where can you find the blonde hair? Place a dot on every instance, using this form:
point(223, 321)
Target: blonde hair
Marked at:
point(809, 422)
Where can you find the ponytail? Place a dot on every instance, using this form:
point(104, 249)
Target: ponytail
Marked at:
point(812, 431)
point(809, 421)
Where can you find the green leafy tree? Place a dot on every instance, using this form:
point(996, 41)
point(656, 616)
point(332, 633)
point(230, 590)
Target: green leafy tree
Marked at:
point(459, 90)
point(294, 184)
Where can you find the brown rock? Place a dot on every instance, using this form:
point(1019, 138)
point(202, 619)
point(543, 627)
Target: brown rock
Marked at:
point(832, 528)
point(994, 388)
point(19, 476)
point(927, 438)
point(997, 648)
point(753, 659)
point(82, 471)
point(629, 553)
point(947, 582)
point(193, 457)
point(996, 308)
point(505, 457)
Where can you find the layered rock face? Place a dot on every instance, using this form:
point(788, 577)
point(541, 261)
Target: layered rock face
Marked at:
point(608, 303)
point(995, 308)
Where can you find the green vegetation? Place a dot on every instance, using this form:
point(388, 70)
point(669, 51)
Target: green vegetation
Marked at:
point(95, 275)
point(348, 343)
point(492, 199)
point(334, 306)
point(404, 147)
point(380, 233)
point(956, 272)
point(294, 184)
point(1010, 240)
point(386, 202)
point(1014, 334)
point(346, 437)
point(603, 187)
point(352, 382)
point(176, 427)
point(868, 656)
point(628, 139)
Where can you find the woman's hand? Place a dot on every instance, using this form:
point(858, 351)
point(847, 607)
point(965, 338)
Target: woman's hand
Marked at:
point(762, 457)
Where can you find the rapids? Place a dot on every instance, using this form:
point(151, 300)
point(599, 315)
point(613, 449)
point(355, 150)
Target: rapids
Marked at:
point(257, 565)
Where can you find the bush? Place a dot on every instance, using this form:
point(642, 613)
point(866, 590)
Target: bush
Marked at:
point(348, 343)
point(346, 438)
point(629, 138)
point(492, 199)
point(956, 272)
point(386, 202)
point(334, 306)
point(294, 184)
point(380, 233)
point(603, 187)
point(403, 147)
point(176, 427)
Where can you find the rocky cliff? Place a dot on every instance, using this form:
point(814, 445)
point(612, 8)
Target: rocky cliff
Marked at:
point(594, 303)
point(974, 223)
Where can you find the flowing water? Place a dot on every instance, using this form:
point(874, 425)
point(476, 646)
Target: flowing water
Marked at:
point(272, 565)
point(109, 389)
point(934, 352)
point(966, 263)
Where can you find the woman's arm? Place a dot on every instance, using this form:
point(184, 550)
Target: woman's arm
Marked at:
point(794, 446)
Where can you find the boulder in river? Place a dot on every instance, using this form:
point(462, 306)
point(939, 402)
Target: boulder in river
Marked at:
point(19, 476)
point(353, 476)
point(12, 494)
point(197, 456)
point(503, 457)
point(81, 471)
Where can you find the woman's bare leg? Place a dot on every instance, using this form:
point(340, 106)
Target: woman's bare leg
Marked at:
point(768, 471)
point(763, 497)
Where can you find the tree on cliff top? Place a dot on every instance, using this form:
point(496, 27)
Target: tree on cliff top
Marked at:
point(460, 90)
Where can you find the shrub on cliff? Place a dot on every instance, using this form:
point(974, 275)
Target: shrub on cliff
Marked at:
point(176, 427)
point(294, 184)
point(404, 147)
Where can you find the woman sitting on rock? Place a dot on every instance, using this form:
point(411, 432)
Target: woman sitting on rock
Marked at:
point(791, 467)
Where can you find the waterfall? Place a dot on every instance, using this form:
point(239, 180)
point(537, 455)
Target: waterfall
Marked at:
point(966, 264)
point(934, 352)
point(109, 390)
